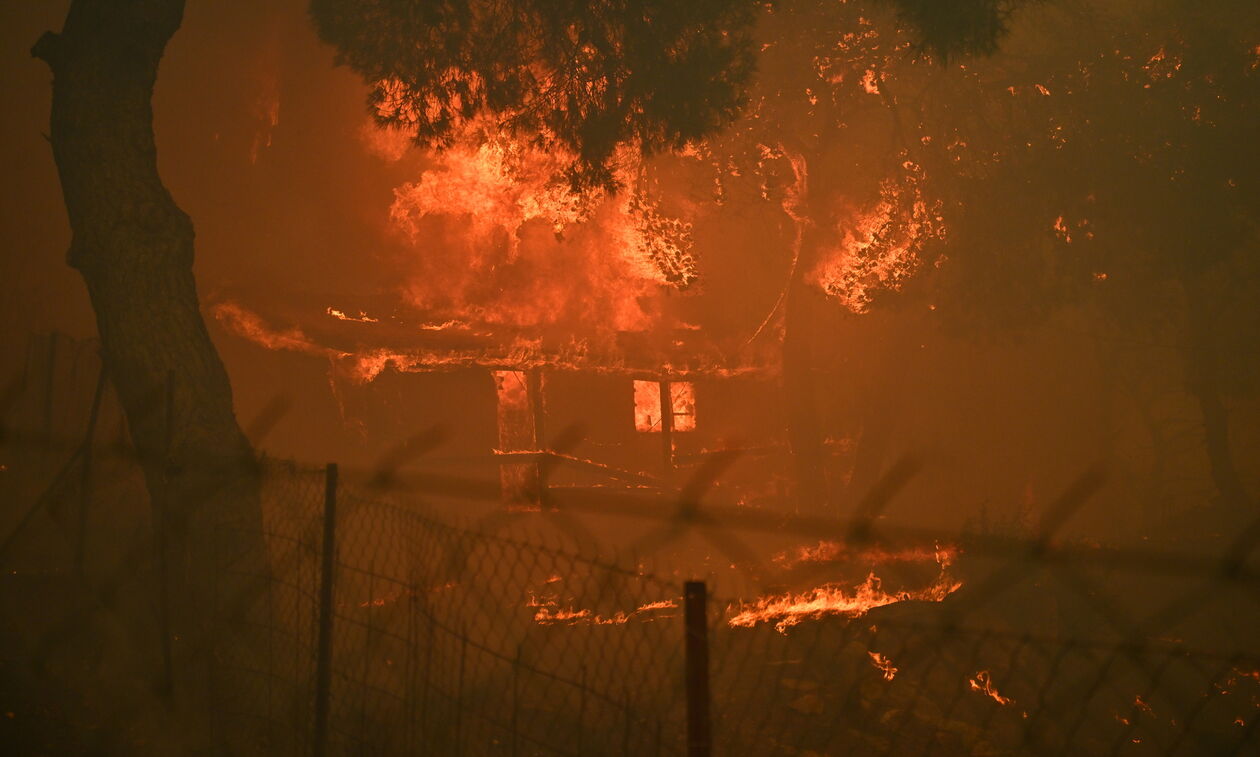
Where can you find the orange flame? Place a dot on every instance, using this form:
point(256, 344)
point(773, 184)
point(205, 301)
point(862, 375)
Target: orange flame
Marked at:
point(870, 82)
point(547, 612)
point(881, 247)
point(789, 609)
point(983, 683)
point(249, 325)
point(519, 247)
point(883, 664)
point(343, 316)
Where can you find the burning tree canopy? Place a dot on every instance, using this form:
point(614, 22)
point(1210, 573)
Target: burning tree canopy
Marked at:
point(518, 248)
point(597, 174)
point(581, 77)
point(511, 232)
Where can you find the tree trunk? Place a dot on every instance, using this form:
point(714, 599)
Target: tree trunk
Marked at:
point(1203, 383)
point(134, 249)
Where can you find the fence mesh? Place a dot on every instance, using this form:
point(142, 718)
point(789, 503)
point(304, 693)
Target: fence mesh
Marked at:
point(504, 636)
point(458, 625)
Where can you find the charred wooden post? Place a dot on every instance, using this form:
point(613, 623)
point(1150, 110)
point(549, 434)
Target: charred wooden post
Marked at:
point(518, 411)
point(696, 651)
point(538, 409)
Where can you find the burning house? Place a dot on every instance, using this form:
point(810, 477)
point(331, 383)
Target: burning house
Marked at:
point(635, 410)
point(601, 329)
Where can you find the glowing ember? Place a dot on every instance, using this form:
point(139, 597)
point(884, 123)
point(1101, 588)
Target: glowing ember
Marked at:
point(547, 612)
point(789, 609)
point(883, 664)
point(1162, 65)
point(343, 316)
point(1062, 231)
point(870, 82)
point(983, 683)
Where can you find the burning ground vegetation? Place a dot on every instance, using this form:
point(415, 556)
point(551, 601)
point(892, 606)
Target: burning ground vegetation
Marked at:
point(470, 631)
point(924, 660)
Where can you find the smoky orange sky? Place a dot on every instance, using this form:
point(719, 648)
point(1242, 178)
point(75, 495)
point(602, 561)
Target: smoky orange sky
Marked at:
point(269, 149)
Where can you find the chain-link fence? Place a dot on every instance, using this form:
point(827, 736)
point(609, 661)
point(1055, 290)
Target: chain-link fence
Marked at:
point(395, 615)
point(461, 639)
point(502, 636)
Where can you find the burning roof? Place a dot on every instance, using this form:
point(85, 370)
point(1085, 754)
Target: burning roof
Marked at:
point(361, 344)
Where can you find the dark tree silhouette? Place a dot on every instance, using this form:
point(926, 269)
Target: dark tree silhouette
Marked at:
point(824, 131)
point(134, 248)
point(1112, 170)
point(957, 27)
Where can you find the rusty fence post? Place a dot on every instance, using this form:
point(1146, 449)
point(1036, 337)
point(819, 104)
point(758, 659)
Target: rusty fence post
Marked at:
point(323, 659)
point(696, 651)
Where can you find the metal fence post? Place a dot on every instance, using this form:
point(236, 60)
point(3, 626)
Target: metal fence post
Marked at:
point(323, 661)
point(695, 619)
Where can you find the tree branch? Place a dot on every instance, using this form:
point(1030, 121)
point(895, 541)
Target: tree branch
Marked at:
point(48, 49)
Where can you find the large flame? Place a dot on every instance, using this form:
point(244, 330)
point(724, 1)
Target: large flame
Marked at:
point(881, 245)
point(500, 237)
point(789, 609)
